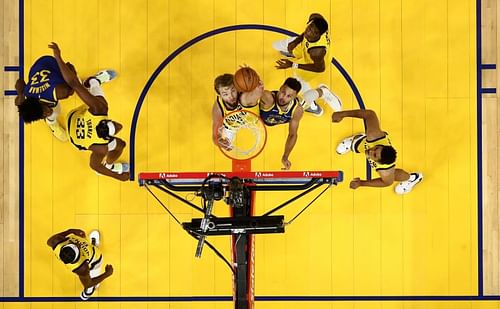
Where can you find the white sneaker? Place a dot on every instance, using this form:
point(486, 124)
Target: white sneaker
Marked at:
point(95, 237)
point(105, 76)
point(315, 109)
point(406, 186)
point(282, 46)
point(85, 295)
point(346, 145)
point(331, 98)
point(120, 168)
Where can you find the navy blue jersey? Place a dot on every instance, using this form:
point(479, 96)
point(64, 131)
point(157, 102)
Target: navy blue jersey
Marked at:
point(275, 115)
point(44, 76)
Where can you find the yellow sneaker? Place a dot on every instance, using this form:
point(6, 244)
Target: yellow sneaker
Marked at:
point(58, 131)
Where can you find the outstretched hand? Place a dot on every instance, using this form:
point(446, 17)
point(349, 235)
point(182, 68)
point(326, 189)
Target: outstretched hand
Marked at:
point(108, 269)
point(355, 183)
point(55, 49)
point(286, 164)
point(20, 84)
point(337, 117)
point(283, 64)
point(224, 143)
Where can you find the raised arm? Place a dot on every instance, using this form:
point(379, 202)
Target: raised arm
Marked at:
point(293, 128)
point(99, 152)
point(386, 179)
point(96, 106)
point(267, 100)
point(20, 84)
point(373, 130)
point(216, 121)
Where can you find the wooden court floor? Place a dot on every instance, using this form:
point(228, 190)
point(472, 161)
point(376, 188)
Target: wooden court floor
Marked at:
point(413, 62)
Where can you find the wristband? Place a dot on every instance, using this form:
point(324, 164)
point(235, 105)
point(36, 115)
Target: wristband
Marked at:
point(295, 65)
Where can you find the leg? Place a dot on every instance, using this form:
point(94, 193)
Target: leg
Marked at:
point(401, 175)
point(96, 90)
point(93, 83)
point(310, 96)
point(282, 46)
point(95, 265)
point(54, 125)
point(115, 149)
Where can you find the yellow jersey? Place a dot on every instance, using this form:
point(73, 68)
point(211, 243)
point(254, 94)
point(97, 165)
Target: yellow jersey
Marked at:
point(364, 144)
point(81, 128)
point(226, 110)
point(301, 51)
point(88, 253)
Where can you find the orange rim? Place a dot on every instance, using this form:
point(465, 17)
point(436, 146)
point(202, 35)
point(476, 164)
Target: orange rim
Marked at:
point(263, 144)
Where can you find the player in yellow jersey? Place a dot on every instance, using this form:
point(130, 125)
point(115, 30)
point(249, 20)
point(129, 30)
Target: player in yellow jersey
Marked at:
point(376, 146)
point(89, 127)
point(307, 53)
point(229, 100)
point(82, 257)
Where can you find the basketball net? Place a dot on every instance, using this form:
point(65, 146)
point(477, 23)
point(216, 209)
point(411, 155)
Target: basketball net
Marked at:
point(241, 137)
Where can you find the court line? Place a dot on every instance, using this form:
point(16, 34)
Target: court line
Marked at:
point(11, 68)
point(197, 39)
point(257, 298)
point(480, 289)
point(488, 90)
point(21, 156)
point(488, 66)
point(21, 297)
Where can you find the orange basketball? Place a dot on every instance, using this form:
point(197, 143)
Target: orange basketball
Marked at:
point(246, 79)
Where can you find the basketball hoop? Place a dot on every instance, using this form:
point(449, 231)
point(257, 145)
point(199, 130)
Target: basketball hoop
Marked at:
point(241, 135)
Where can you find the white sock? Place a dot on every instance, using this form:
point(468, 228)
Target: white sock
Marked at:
point(55, 112)
point(282, 45)
point(95, 88)
point(51, 119)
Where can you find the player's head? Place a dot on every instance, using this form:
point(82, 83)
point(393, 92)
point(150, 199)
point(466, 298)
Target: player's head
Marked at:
point(69, 253)
point(382, 154)
point(315, 28)
point(288, 91)
point(32, 109)
point(224, 87)
point(107, 129)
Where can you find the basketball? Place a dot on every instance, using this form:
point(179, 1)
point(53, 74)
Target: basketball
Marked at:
point(246, 79)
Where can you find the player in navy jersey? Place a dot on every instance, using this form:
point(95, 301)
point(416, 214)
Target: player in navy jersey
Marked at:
point(284, 106)
point(280, 107)
point(39, 98)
